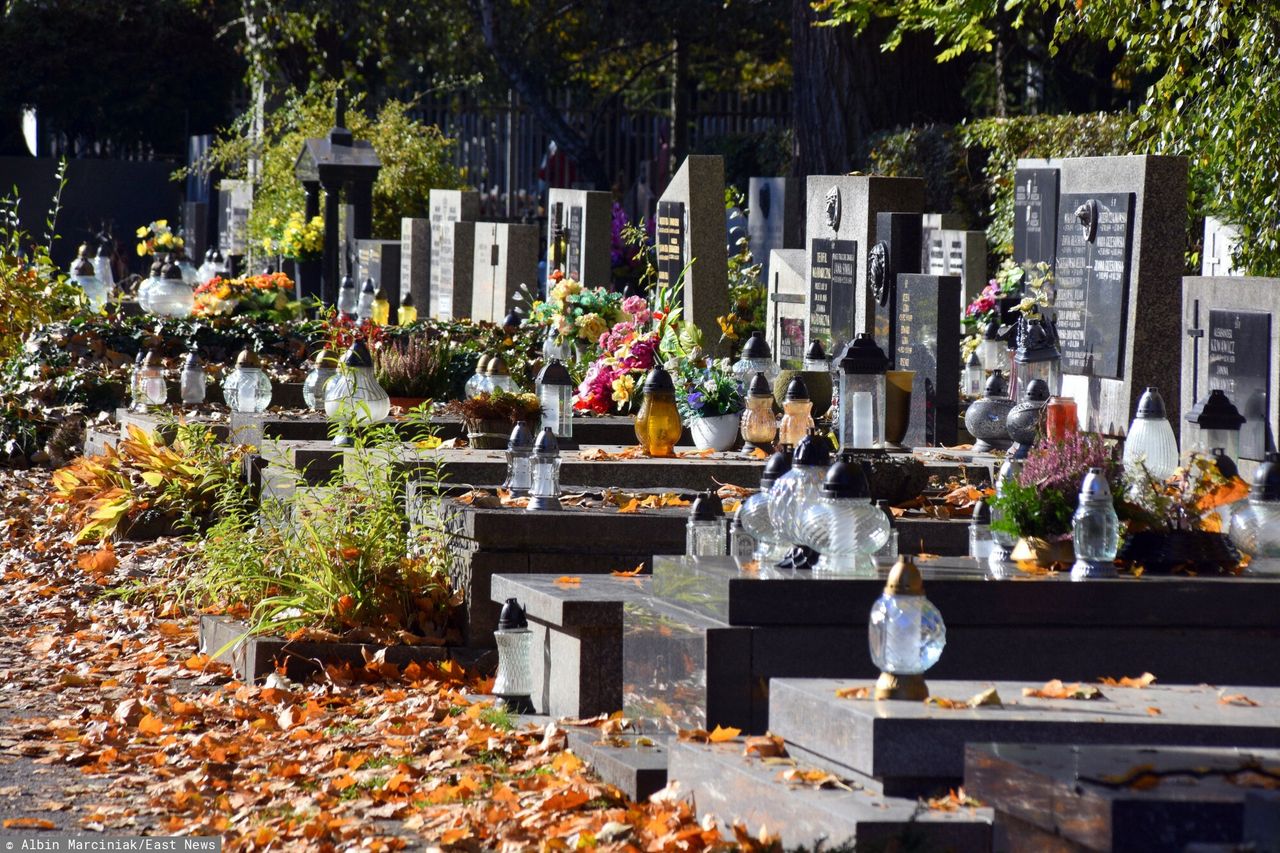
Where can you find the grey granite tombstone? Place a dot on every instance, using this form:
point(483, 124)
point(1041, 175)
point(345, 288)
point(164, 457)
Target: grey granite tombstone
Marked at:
point(787, 312)
point(1035, 213)
point(1220, 241)
point(1117, 281)
point(415, 262)
point(586, 219)
point(842, 209)
point(236, 201)
point(931, 222)
point(928, 342)
point(691, 229)
point(896, 251)
point(451, 250)
point(775, 218)
point(1231, 341)
point(505, 257)
point(962, 253)
point(380, 260)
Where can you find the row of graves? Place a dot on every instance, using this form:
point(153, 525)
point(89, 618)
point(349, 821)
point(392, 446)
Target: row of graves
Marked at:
point(1095, 698)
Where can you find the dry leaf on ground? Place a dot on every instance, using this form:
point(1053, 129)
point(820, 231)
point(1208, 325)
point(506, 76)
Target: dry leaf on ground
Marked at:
point(1055, 689)
point(1144, 680)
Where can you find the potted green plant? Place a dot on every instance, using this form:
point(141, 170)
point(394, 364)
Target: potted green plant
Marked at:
point(490, 417)
point(710, 402)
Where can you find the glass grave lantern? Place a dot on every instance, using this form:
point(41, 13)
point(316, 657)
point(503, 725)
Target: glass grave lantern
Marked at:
point(1095, 529)
point(322, 369)
point(499, 377)
point(475, 382)
point(1002, 542)
point(1217, 423)
point(980, 542)
point(190, 274)
point(544, 495)
point(192, 380)
point(862, 394)
point(974, 377)
point(797, 412)
point(993, 351)
point(352, 395)
point(707, 528)
point(555, 396)
point(152, 390)
point(756, 358)
point(794, 492)
point(1150, 439)
point(753, 513)
point(143, 294)
point(247, 388)
point(759, 425)
point(135, 377)
point(364, 305)
point(815, 358)
point(95, 290)
point(889, 550)
point(102, 266)
point(906, 634)
point(519, 461)
point(842, 524)
point(408, 311)
point(348, 298)
point(1036, 356)
point(658, 426)
point(207, 270)
point(170, 295)
point(742, 545)
point(1061, 418)
point(381, 308)
point(1255, 528)
point(513, 682)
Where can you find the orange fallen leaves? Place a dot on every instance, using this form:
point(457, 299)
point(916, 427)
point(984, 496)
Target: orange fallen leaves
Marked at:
point(28, 823)
point(1236, 699)
point(99, 562)
point(567, 580)
point(863, 692)
point(1055, 689)
point(988, 697)
point(619, 573)
point(721, 734)
point(952, 801)
point(1144, 680)
point(764, 746)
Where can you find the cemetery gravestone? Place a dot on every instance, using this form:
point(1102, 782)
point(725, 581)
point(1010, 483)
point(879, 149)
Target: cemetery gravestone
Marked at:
point(691, 227)
point(1119, 260)
point(451, 251)
point(585, 217)
point(896, 251)
point(505, 257)
point(928, 343)
point(962, 253)
point(380, 260)
point(1220, 241)
point(415, 261)
point(1035, 214)
point(787, 312)
point(931, 223)
point(775, 219)
point(236, 200)
point(1232, 342)
point(840, 230)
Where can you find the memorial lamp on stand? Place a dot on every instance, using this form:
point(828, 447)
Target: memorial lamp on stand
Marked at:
point(756, 358)
point(753, 513)
point(792, 495)
point(1217, 424)
point(797, 412)
point(545, 492)
point(247, 388)
point(759, 425)
point(843, 525)
point(1150, 439)
point(322, 370)
point(1255, 529)
point(353, 395)
point(519, 461)
point(658, 426)
point(987, 417)
point(1037, 356)
point(906, 634)
point(862, 394)
point(192, 380)
point(555, 395)
point(513, 683)
point(1095, 529)
point(706, 529)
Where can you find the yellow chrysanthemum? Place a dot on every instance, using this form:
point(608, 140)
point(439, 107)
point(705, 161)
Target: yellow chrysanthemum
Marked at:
point(161, 223)
point(141, 232)
point(623, 388)
point(142, 250)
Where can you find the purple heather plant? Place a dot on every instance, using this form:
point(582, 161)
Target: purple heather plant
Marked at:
point(1062, 465)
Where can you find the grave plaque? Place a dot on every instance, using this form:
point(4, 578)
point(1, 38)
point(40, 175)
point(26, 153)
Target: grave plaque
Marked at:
point(670, 241)
point(574, 261)
point(1239, 353)
point(451, 296)
point(1095, 241)
point(792, 343)
point(787, 311)
point(832, 292)
point(928, 343)
point(1035, 216)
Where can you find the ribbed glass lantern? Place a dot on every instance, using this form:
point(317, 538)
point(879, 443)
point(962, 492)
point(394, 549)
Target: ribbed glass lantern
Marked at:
point(247, 388)
point(476, 382)
point(555, 396)
point(499, 377)
point(794, 492)
point(753, 512)
point(364, 305)
point(906, 635)
point(152, 390)
point(513, 682)
point(1036, 356)
point(1150, 439)
point(797, 412)
point(519, 461)
point(170, 295)
point(348, 298)
point(323, 368)
point(545, 493)
point(889, 550)
point(1255, 528)
point(1095, 529)
point(658, 426)
point(353, 395)
point(756, 358)
point(758, 425)
point(843, 525)
point(980, 542)
point(707, 528)
point(862, 394)
point(1217, 424)
point(95, 290)
point(192, 382)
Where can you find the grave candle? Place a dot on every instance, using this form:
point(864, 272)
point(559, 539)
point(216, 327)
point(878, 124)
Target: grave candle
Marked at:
point(555, 395)
point(815, 358)
point(192, 381)
point(658, 425)
point(753, 513)
point(1150, 440)
point(797, 411)
point(151, 385)
point(1037, 356)
point(758, 425)
point(519, 461)
point(102, 267)
point(381, 308)
point(756, 358)
point(247, 388)
point(843, 526)
point(169, 295)
point(475, 382)
point(1095, 529)
point(544, 494)
point(705, 530)
point(499, 377)
point(860, 422)
point(1255, 529)
point(973, 376)
point(353, 393)
point(326, 364)
point(364, 306)
point(980, 531)
point(95, 290)
point(408, 314)
point(1061, 418)
point(993, 351)
point(906, 634)
point(513, 682)
point(348, 299)
point(794, 492)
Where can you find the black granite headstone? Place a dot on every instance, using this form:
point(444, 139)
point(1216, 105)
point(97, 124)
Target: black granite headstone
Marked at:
point(1035, 216)
point(928, 343)
point(832, 292)
point(1095, 243)
point(574, 261)
point(897, 250)
point(670, 241)
point(1240, 365)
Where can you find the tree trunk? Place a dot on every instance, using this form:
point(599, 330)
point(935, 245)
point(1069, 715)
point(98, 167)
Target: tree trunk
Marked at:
point(679, 104)
point(847, 89)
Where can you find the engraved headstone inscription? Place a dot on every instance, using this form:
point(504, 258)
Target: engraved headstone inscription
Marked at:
point(1035, 216)
point(1239, 354)
point(929, 344)
point(1095, 240)
point(896, 251)
point(832, 291)
point(670, 241)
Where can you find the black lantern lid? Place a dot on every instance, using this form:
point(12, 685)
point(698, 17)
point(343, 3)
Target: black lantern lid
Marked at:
point(1216, 412)
point(815, 352)
point(845, 479)
point(169, 269)
point(546, 445)
point(760, 386)
point(192, 362)
point(512, 319)
point(776, 465)
point(796, 390)
point(658, 381)
point(1037, 391)
point(368, 285)
point(407, 302)
point(981, 514)
point(996, 386)
point(757, 347)
point(104, 249)
point(555, 373)
point(357, 356)
point(864, 356)
point(1035, 342)
point(347, 283)
point(973, 361)
point(1266, 480)
point(1226, 465)
point(707, 506)
point(82, 267)
point(1151, 405)
point(813, 449)
point(520, 437)
point(217, 256)
point(512, 617)
point(991, 331)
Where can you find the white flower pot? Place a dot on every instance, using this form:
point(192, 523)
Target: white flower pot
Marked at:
point(716, 433)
